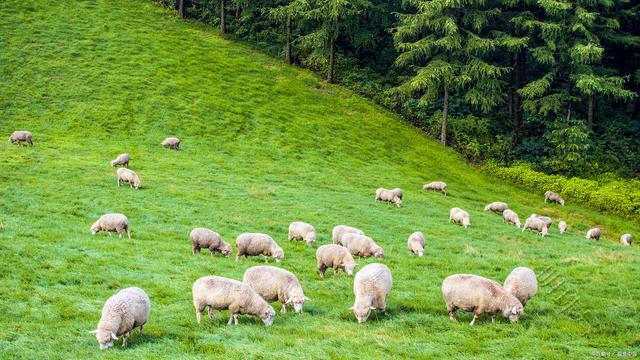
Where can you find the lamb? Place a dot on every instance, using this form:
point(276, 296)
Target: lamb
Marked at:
point(126, 310)
point(302, 231)
point(562, 227)
point(511, 217)
point(416, 243)
point(171, 143)
point(252, 244)
point(203, 238)
point(496, 206)
point(19, 137)
point(122, 159)
point(479, 295)
point(389, 196)
point(371, 287)
point(110, 223)
point(219, 293)
point(275, 284)
point(553, 197)
point(341, 230)
point(336, 257)
point(522, 284)
point(128, 176)
point(361, 245)
point(436, 186)
point(594, 234)
point(459, 216)
point(537, 224)
point(626, 239)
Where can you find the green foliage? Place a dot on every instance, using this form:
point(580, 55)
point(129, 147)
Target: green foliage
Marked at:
point(570, 147)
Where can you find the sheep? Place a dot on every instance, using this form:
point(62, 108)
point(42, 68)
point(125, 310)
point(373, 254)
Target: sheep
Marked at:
point(336, 257)
point(416, 243)
point(361, 245)
point(511, 217)
point(496, 206)
point(479, 295)
point(219, 293)
point(123, 312)
point(545, 219)
point(594, 234)
point(275, 284)
point(203, 238)
point(389, 196)
point(537, 224)
point(562, 227)
point(522, 284)
point(302, 231)
point(122, 159)
point(371, 287)
point(459, 216)
point(128, 176)
point(436, 186)
point(398, 193)
point(171, 143)
point(341, 230)
point(626, 239)
point(110, 223)
point(252, 244)
point(553, 197)
point(19, 137)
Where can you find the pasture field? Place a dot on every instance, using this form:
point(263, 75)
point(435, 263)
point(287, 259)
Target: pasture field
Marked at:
point(264, 144)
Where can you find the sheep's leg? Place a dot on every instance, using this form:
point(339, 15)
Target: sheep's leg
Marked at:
point(212, 316)
point(452, 313)
point(235, 319)
point(283, 310)
point(493, 319)
point(124, 339)
point(266, 259)
point(141, 327)
point(321, 270)
point(199, 309)
point(194, 249)
point(335, 270)
point(475, 316)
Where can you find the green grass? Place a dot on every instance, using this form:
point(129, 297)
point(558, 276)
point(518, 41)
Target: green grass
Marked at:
point(264, 144)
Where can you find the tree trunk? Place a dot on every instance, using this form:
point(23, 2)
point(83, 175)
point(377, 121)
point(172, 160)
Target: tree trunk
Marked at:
point(332, 60)
point(181, 9)
point(517, 100)
point(570, 93)
point(223, 25)
point(590, 112)
point(445, 116)
point(238, 11)
point(512, 85)
point(289, 31)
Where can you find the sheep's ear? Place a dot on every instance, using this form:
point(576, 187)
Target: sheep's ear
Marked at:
point(93, 331)
point(351, 308)
point(306, 299)
point(113, 335)
point(514, 310)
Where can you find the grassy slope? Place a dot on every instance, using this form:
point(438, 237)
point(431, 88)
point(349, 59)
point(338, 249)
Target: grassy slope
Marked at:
point(264, 144)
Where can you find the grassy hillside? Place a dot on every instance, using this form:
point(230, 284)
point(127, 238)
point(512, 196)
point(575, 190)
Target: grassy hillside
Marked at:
point(264, 144)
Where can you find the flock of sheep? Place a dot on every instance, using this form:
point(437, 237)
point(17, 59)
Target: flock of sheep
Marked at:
point(130, 308)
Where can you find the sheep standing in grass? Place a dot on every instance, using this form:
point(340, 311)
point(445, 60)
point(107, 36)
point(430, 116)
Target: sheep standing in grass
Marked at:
point(537, 224)
point(416, 243)
point(522, 284)
point(479, 295)
point(110, 223)
point(275, 284)
point(511, 217)
point(340, 230)
point(459, 216)
point(128, 176)
point(126, 310)
point(203, 238)
point(496, 206)
point(18, 137)
point(562, 227)
point(371, 287)
point(171, 143)
point(302, 231)
point(594, 234)
point(361, 245)
point(436, 186)
point(389, 196)
point(336, 257)
point(253, 244)
point(122, 160)
point(626, 239)
point(219, 293)
point(553, 197)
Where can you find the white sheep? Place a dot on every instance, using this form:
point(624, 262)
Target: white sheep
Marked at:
point(253, 244)
point(302, 231)
point(459, 216)
point(171, 142)
point(362, 245)
point(125, 175)
point(203, 238)
point(626, 239)
point(594, 234)
point(389, 196)
point(122, 159)
point(510, 216)
point(496, 206)
point(537, 224)
point(371, 287)
point(522, 284)
point(341, 230)
point(126, 310)
point(416, 243)
point(19, 137)
point(436, 186)
point(553, 197)
point(562, 227)
point(110, 223)
point(336, 257)
point(275, 284)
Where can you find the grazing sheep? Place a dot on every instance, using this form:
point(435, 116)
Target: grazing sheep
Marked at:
point(459, 216)
point(398, 192)
point(496, 206)
point(340, 230)
point(171, 143)
point(275, 284)
point(219, 293)
point(522, 284)
point(302, 231)
point(553, 197)
point(511, 217)
point(479, 295)
point(126, 310)
point(562, 227)
point(203, 238)
point(252, 244)
point(436, 186)
point(594, 234)
point(537, 224)
point(389, 196)
point(361, 245)
point(128, 176)
point(336, 257)
point(122, 159)
point(626, 239)
point(416, 243)
point(19, 137)
point(110, 223)
point(371, 287)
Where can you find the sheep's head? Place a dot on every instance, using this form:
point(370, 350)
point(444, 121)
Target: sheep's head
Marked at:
point(486, 208)
point(268, 315)
point(561, 201)
point(278, 255)
point(466, 222)
point(545, 230)
point(136, 183)
point(105, 338)
point(10, 140)
point(513, 311)
point(362, 312)
point(226, 250)
point(398, 202)
point(349, 268)
point(518, 225)
point(297, 302)
point(95, 228)
point(420, 252)
point(378, 252)
point(311, 237)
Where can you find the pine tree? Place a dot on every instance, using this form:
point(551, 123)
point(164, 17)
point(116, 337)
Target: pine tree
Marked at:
point(287, 15)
